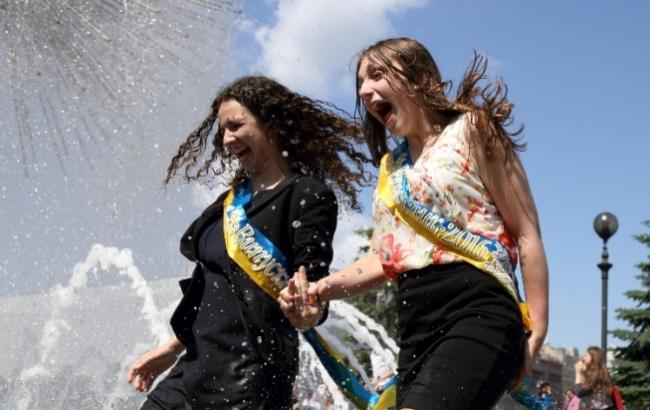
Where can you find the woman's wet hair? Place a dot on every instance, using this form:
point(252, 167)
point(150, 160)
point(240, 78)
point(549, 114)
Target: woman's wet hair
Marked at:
point(409, 68)
point(317, 138)
point(596, 375)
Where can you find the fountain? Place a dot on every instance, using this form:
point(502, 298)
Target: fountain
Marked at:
point(99, 96)
point(73, 347)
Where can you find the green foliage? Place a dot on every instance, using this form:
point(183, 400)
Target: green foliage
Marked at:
point(379, 303)
point(632, 362)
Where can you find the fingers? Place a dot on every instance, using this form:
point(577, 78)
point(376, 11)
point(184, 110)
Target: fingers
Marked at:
point(303, 284)
point(517, 381)
point(312, 295)
point(287, 296)
point(130, 374)
point(292, 289)
point(136, 379)
point(134, 371)
point(528, 361)
point(140, 375)
point(299, 301)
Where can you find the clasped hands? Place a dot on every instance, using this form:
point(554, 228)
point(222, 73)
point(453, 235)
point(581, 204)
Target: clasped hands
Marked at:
point(300, 303)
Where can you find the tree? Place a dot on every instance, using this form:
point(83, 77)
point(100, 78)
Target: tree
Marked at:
point(631, 366)
point(378, 303)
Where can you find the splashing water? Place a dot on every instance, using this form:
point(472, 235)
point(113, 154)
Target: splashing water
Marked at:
point(96, 98)
point(83, 338)
point(82, 75)
point(74, 357)
point(346, 329)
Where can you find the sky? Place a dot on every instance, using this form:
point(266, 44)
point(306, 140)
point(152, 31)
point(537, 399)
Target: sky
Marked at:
point(577, 73)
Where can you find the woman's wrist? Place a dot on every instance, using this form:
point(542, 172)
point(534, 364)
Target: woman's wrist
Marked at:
point(175, 346)
point(321, 290)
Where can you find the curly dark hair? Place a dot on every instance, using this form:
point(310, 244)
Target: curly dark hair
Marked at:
point(320, 139)
point(417, 75)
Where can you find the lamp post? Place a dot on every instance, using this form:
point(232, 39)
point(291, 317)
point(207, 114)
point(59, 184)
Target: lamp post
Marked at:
point(605, 226)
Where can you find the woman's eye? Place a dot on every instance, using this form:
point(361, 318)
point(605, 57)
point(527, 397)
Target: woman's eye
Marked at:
point(376, 75)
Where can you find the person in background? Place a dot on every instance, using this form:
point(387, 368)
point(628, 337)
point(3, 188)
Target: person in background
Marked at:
point(545, 394)
point(285, 156)
point(571, 401)
point(453, 213)
point(593, 385)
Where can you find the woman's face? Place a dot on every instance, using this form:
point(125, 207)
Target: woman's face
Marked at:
point(586, 358)
point(245, 137)
point(397, 112)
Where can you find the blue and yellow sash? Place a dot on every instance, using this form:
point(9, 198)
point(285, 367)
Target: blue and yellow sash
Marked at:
point(486, 254)
point(265, 264)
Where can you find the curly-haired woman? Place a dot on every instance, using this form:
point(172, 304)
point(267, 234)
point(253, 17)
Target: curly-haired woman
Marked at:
point(286, 156)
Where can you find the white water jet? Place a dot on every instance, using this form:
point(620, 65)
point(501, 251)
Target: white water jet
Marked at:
point(88, 336)
point(59, 331)
point(345, 322)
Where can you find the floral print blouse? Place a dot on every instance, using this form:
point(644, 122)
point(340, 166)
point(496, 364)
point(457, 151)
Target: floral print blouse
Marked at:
point(443, 179)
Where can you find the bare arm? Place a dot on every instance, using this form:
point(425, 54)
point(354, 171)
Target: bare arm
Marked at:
point(150, 365)
point(302, 302)
point(508, 186)
point(361, 276)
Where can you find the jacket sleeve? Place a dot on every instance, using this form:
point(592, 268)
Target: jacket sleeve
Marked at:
point(313, 227)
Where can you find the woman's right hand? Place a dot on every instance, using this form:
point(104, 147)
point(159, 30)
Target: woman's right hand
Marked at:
point(299, 301)
point(580, 368)
point(150, 365)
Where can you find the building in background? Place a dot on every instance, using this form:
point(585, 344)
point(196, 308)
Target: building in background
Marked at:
point(555, 365)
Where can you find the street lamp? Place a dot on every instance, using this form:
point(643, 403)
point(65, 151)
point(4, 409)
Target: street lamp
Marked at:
point(605, 226)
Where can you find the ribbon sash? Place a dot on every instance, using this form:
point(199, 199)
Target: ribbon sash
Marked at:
point(265, 264)
point(249, 248)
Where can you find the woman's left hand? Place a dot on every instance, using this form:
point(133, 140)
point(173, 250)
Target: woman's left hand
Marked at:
point(299, 301)
point(531, 349)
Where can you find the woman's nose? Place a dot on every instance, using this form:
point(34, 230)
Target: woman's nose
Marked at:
point(229, 138)
point(365, 91)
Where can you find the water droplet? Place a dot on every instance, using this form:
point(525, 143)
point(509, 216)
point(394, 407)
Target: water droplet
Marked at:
point(285, 154)
point(302, 202)
point(296, 224)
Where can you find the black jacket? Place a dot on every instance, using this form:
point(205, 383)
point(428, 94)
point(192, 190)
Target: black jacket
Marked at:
point(299, 217)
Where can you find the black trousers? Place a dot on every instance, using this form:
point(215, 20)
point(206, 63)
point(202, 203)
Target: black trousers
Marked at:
point(169, 393)
point(274, 392)
point(461, 338)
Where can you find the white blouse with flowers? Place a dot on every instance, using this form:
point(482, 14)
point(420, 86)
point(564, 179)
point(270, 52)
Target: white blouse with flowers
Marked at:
point(445, 180)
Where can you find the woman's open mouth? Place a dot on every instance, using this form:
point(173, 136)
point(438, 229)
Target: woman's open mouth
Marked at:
point(384, 110)
point(243, 153)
